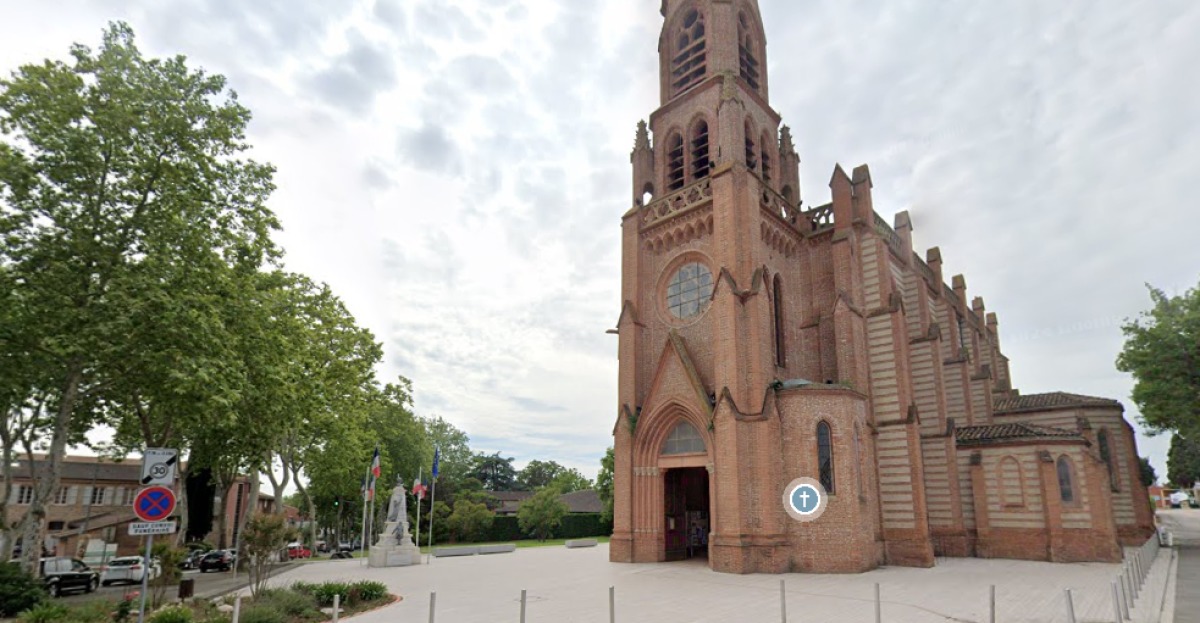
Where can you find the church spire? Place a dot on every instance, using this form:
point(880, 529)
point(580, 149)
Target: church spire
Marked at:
point(705, 38)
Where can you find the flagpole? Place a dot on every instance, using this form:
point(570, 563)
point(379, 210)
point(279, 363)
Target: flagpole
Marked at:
point(432, 501)
point(365, 492)
point(418, 513)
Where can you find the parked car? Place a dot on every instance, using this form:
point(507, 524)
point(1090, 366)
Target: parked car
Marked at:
point(129, 569)
point(219, 560)
point(61, 575)
point(192, 559)
point(296, 550)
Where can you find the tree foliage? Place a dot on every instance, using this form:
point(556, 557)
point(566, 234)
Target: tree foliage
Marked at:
point(1162, 351)
point(604, 484)
point(1183, 462)
point(264, 537)
point(495, 472)
point(539, 515)
point(1146, 472)
point(470, 521)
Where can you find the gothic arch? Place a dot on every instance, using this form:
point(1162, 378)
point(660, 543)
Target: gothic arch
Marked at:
point(767, 157)
point(654, 428)
point(686, 33)
point(674, 163)
point(699, 147)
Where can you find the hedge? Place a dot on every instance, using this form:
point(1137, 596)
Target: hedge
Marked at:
point(574, 526)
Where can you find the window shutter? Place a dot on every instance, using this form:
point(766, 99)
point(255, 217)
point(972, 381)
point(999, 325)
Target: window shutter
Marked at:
point(72, 495)
point(87, 495)
point(118, 496)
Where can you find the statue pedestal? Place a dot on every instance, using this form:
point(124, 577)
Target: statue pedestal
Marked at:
point(390, 551)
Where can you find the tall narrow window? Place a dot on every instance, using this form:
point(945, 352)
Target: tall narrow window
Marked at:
point(780, 342)
point(751, 152)
point(1065, 486)
point(747, 63)
point(25, 494)
point(962, 337)
point(1106, 456)
point(825, 456)
point(688, 64)
point(675, 162)
point(60, 497)
point(700, 160)
point(765, 159)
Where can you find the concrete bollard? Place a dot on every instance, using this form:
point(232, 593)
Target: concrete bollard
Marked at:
point(782, 603)
point(1070, 607)
point(237, 608)
point(522, 605)
point(337, 606)
point(992, 604)
point(1124, 596)
point(612, 604)
point(878, 606)
point(1116, 604)
point(432, 605)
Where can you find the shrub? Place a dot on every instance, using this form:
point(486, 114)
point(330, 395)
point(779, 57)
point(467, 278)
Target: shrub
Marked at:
point(46, 613)
point(19, 591)
point(93, 612)
point(172, 614)
point(287, 601)
point(306, 588)
point(369, 591)
point(324, 593)
point(261, 613)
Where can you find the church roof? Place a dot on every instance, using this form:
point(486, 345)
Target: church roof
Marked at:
point(1024, 431)
point(1052, 400)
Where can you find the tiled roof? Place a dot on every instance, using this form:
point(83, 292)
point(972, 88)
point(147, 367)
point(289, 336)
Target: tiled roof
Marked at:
point(101, 471)
point(1052, 400)
point(995, 433)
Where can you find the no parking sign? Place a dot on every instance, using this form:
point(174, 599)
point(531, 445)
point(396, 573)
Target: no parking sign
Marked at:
point(154, 503)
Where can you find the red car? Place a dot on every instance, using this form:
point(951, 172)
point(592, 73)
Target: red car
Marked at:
point(298, 551)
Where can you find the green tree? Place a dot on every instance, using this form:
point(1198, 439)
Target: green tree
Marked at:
point(539, 515)
point(168, 557)
point(538, 474)
point(118, 175)
point(604, 484)
point(570, 479)
point(495, 472)
point(1162, 351)
point(264, 537)
point(470, 521)
point(1146, 472)
point(1183, 462)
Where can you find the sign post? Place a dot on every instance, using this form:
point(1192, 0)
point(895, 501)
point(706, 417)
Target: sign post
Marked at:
point(153, 505)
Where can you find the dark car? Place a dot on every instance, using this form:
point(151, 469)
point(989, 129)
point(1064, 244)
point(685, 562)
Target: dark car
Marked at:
point(220, 560)
point(61, 575)
point(192, 560)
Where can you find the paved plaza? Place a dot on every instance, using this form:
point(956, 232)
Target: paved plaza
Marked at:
point(571, 585)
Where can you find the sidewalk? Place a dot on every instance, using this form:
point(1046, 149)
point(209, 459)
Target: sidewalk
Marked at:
point(572, 585)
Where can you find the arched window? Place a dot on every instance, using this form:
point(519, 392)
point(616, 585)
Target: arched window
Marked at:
point(789, 194)
point(1011, 493)
point(1106, 456)
point(825, 456)
point(751, 152)
point(684, 439)
point(766, 158)
point(1065, 485)
point(688, 64)
point(747, 63)
point(780, 342)
point(700, 160)
point(675, 162)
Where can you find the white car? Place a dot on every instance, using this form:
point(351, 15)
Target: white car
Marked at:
point(128, 569)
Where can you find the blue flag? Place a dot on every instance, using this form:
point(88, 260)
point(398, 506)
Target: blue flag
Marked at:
point(436, 455)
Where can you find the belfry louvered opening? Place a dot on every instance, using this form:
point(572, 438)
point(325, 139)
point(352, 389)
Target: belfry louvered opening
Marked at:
point(766, 159)
point(688, 65)
point(747, 63)
point(700, 160)
point(675, 162)
point(751, 151)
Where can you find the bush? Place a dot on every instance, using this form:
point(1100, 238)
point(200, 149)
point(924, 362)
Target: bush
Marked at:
point(324, 593)
point(46, 613)
point(369, 591)
point(19, 591)
point(261, 613)
point(287, 601)
point(306, 588)
point(172, 614)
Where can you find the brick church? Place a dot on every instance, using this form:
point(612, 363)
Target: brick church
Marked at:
point(764, 339)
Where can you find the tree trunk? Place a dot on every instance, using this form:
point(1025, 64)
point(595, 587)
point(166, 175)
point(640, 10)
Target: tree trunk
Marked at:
point(250, 509)
point(182, 508)
point(278, 485)
point(312, 507)
point(48, 482)
point(221, 494)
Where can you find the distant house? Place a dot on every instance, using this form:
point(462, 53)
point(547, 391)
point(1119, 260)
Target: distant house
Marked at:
point(582, 501)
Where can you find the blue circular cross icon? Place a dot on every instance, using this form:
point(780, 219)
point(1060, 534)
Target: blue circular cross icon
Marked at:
point(805, 499)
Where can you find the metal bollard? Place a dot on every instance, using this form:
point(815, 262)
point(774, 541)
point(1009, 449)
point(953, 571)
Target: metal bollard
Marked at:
point(992, 604)
point(337, 606)
point(237, 608)
point(782, 603)
point(1124, 596)
point(1116, 604)
point(612, 604)
point(1070, 607)
point(432, 604)
point(522, 605)
point(878, 607)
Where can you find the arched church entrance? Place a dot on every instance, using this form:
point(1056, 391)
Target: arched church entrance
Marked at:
point(686, 490)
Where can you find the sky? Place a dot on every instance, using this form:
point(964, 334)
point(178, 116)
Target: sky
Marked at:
point(456, 170)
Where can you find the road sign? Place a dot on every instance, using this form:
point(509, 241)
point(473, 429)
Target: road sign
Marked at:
point(154, 503)
point(139, 528)
point(158, 466)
